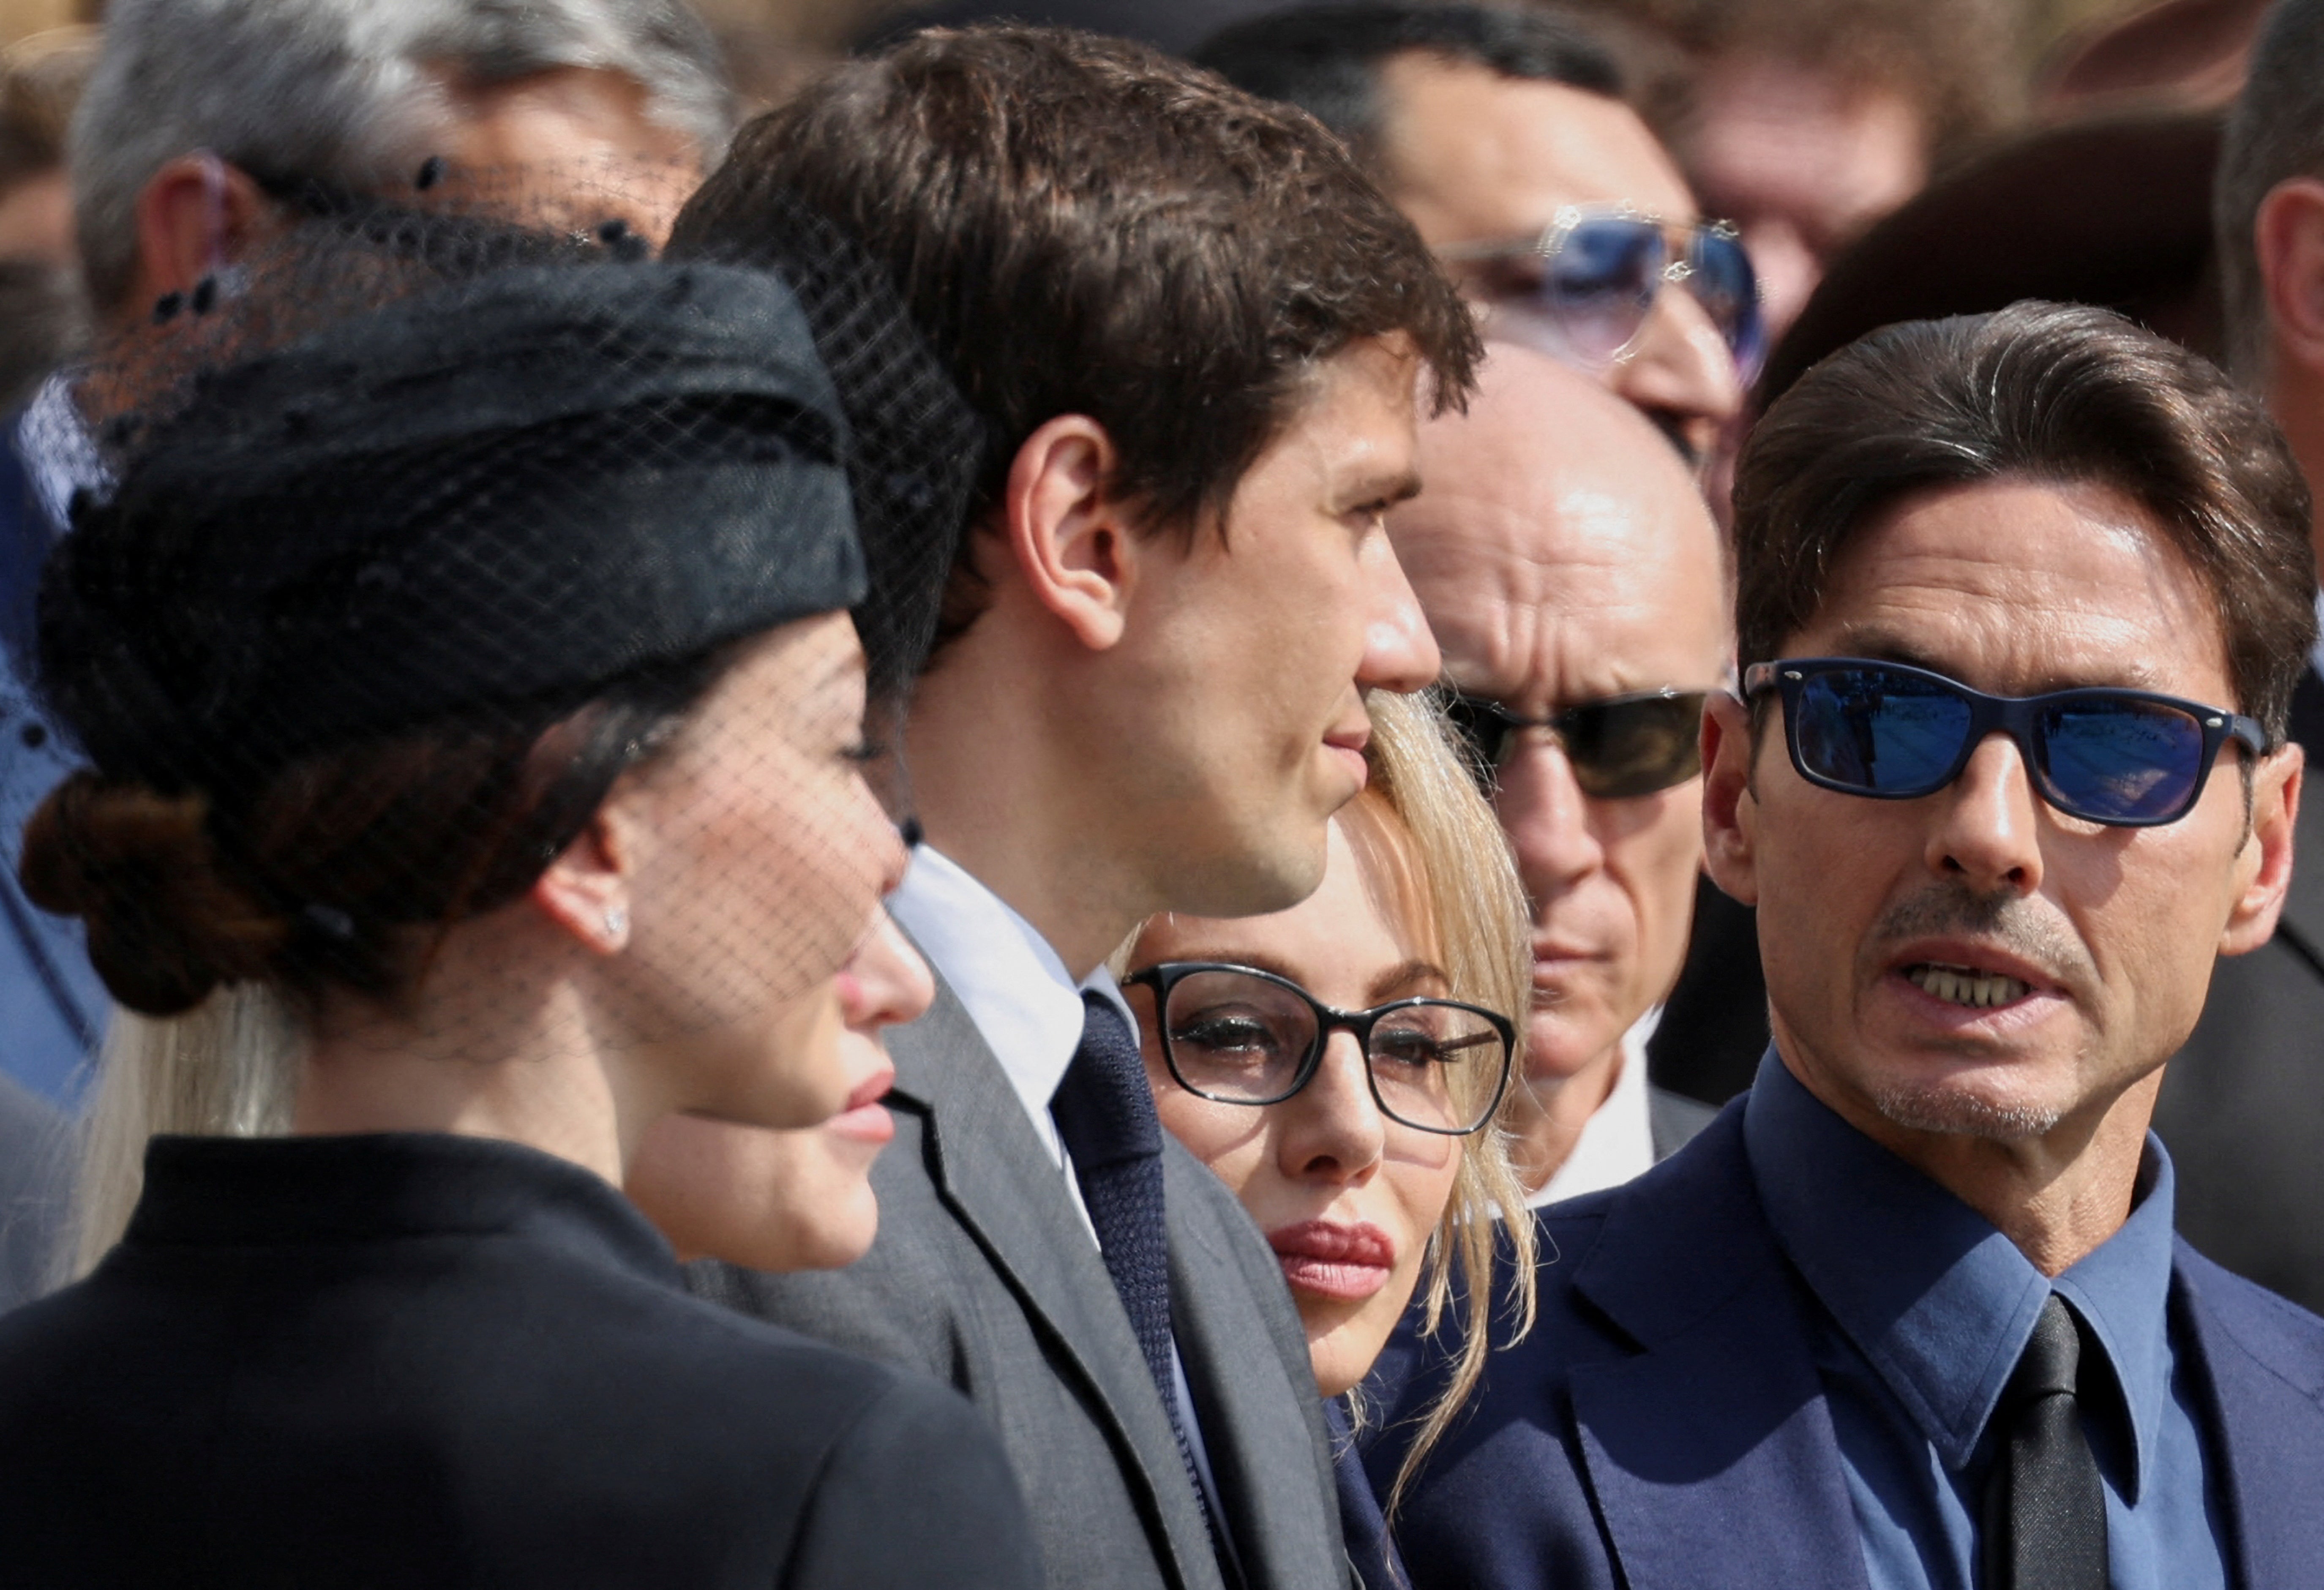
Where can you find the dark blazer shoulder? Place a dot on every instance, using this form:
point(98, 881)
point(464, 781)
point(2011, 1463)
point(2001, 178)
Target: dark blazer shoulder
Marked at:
point(585, 1423)
point(1663, 1426)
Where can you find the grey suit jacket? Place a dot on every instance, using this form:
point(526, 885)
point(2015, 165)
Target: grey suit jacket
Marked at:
point(2242, 1108)
point(984, 1275)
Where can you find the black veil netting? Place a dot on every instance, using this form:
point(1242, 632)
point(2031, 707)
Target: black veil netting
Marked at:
point(430, 538)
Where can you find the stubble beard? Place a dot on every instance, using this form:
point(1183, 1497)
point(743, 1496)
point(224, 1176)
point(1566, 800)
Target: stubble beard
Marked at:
point(1956, 1112)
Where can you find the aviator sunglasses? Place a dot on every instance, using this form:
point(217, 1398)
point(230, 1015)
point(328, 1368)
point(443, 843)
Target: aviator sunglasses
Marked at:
point(1238, 1035)
point(2129, 759)
point(1621, 746)
point(1583, 288)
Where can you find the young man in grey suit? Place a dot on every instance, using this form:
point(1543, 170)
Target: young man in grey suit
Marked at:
point(1199, 340)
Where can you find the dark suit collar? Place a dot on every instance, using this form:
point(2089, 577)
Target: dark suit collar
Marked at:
point(996, 1175)
point(1713, 1442)
point(389, 1186)
point(2302, 922)
point(2258, 1369)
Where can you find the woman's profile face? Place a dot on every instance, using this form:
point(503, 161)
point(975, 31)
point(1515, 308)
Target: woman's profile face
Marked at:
point(800, 1199)
point(759, 861)
point(1346, 1197)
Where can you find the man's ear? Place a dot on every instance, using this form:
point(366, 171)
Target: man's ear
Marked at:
point(2265, 859)
point(588, 889)
point(1730, 811)
point(1067, 537)
point(2288, 234)
point(195, 217)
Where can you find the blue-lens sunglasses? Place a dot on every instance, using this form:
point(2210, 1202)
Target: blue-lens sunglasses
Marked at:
point(2125, 758)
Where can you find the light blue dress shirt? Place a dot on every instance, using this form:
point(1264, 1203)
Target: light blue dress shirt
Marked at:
point(1926, 1308)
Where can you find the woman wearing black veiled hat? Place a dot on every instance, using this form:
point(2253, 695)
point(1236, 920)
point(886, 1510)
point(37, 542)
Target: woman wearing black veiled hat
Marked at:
point(477, 674)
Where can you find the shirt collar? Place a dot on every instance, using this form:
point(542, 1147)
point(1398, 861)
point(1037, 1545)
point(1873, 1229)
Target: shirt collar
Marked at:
point(59, 452)
point(1618, 1142)
point(1937, 1300)
point(1012, 983)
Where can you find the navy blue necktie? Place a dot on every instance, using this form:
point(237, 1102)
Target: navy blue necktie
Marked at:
point(1105, 1113)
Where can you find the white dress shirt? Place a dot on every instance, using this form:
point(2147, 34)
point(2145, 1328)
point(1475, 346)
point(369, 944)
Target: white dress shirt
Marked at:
point(1028, 1010)
point(1618, 1142)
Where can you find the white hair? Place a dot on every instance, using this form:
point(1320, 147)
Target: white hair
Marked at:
point(345, 92)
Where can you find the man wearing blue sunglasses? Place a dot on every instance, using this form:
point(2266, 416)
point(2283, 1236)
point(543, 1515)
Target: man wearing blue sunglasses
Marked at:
point(2023, 598)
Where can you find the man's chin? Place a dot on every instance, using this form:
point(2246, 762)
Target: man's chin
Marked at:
point(1965, 1107)
point(1557, 1052)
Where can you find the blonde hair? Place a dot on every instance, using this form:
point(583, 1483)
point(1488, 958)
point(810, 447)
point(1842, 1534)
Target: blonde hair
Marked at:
point(1447, 863)
point(228, 1068)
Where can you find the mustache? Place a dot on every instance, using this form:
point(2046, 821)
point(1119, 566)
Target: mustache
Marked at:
point(2005, 919)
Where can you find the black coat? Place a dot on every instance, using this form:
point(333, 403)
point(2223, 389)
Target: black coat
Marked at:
point(2242, 1107)
point(421, 1360)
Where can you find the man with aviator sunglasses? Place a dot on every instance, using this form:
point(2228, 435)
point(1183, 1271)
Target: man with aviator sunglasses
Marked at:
point(1577, 589)
point(1501, 131)
point(2023, 598)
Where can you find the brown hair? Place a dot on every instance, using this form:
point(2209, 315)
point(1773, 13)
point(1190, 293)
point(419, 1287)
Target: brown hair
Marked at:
point(2275, 132)
point(1956, 61)
point(1085, 225)
point(2050, 393)
point(334, 871)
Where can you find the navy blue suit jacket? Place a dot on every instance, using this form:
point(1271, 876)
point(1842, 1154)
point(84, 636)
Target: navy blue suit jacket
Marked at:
point(1664, 1427)
point(53, 1007)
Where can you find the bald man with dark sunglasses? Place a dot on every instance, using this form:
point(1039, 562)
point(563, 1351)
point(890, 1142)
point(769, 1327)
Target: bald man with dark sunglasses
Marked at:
point(1578, 590)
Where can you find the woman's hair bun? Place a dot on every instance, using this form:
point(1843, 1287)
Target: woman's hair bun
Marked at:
point(139, 868)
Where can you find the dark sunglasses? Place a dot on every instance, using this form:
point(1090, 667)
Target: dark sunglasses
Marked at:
point(1236, 1035)
point(1621, 746)
point(1584, 287)
point(2130, 759)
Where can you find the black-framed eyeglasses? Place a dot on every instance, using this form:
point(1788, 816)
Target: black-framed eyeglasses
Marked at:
point(1238, 1035)
point(1621, 746)
point(2129, 759)
point(1581, 288)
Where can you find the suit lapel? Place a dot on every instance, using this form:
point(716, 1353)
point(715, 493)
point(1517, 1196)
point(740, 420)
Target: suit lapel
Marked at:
point(996, 1175)
point(2266, 1426)
point(1264, 1441)
point(1713, 1444)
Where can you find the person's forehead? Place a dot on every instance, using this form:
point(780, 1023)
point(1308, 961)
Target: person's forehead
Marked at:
point(1472, 155)
point(1547, 481)
point(2032, 585)
point(1553, 525)
point(1773, 136)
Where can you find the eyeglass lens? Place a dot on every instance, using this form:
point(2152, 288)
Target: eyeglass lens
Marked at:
point(1599, 283)
point(1886, 732)
point(1240, 1038)
point(1618, 748)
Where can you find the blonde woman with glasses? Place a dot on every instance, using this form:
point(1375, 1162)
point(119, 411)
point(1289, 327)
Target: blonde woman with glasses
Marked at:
point(1343, 1066)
